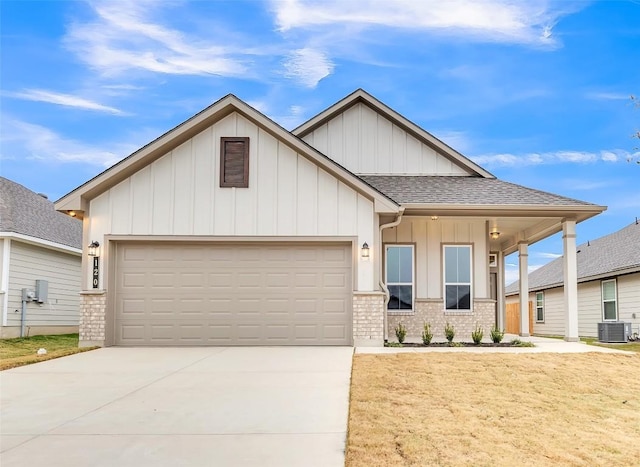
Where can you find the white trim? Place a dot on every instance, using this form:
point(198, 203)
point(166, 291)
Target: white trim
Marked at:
point(40, 242)
point(6, 262)
point(615, 299)
point(445, 283)
point(413, 276)
point(542, 306)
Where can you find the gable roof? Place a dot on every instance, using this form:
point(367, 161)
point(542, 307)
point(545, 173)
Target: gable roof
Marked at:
point(360, 95)
point(27, 213)
point(77, 200)
point(611, 255)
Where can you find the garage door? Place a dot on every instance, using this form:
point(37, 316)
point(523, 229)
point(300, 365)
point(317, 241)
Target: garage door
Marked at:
point(233, 294)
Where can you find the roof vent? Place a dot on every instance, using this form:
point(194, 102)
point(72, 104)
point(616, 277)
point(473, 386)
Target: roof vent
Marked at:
point(43, 195)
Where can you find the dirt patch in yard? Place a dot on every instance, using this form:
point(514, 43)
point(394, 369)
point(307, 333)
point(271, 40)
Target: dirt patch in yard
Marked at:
point(494, 409)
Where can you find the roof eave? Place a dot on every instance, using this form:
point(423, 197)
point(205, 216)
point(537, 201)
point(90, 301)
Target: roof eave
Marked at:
point(579, 212)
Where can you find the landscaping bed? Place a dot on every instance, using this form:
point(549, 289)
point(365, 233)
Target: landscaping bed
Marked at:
point(461, 344)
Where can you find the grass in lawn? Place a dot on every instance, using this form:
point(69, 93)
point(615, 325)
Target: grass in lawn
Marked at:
point(630, 346)
point(494, 409)
point(22, 351)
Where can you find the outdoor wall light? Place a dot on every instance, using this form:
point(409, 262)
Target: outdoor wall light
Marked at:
point(364, 252)
point(72, 213)
point(434, 218)
point(494, 234)
point(93, 248)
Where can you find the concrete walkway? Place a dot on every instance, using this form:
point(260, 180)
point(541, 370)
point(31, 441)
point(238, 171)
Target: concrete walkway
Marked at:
point(542, 345)
point(268, 406)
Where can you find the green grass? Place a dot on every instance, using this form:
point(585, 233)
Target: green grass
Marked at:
point(629, 346)
point(22, 350)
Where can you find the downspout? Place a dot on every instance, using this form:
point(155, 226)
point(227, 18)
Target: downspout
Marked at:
point(382, 283)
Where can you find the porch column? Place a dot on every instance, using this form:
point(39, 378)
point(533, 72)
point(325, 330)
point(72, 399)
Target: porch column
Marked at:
point(523, 260)
point(570, 281)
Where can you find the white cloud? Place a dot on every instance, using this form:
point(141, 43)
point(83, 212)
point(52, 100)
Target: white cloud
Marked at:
point(124, 38)
point(549, 255)
point(307, 66)
point(607, 96)
point(486, 20)
point(67, 100)
point(557, 157)
point(512, 274)
point(26, 140)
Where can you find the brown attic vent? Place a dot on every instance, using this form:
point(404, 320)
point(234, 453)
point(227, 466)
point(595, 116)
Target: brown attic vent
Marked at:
point(234, 162)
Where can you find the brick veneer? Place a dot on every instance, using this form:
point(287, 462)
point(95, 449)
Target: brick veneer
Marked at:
point(368, 318)
point(92, 318)
point(432, 312)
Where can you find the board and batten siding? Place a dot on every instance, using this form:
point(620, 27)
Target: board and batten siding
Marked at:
point(180, 194)
point(429, 236)
point(366, 142)
point(61, 270)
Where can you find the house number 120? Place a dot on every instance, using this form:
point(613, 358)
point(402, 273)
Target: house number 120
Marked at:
point(96, 271)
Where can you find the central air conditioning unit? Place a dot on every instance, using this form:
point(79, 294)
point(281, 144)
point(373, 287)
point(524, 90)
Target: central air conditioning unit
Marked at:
point(614, 332)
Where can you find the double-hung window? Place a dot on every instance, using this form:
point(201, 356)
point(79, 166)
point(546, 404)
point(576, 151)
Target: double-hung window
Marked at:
point(539, 307)
point(609, 301)
point(457, 277)
point(399, 273)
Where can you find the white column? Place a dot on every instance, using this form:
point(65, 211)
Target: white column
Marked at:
point(570, 281)
point(501, 308)
point(523, 259)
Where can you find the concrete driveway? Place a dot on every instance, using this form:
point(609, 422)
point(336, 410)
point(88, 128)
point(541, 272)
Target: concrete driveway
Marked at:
point(266, 406)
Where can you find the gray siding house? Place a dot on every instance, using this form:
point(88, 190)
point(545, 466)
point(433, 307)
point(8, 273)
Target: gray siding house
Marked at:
point(231, 230)
point(37, 243)
point(608, 285)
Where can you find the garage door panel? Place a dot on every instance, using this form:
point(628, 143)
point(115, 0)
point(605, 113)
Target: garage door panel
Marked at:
point(258, 294)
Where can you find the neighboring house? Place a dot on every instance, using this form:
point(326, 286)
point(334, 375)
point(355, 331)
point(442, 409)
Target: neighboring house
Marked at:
point(37, 243)
point(230, 230)
point(608, 285)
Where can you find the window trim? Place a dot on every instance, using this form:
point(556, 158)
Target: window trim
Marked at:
point(541, 307)
point(445, 283)
point(413, 275)
point(615, 298)
point(245, 179)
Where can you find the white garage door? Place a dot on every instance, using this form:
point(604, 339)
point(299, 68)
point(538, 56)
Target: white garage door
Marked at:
point(233, 294)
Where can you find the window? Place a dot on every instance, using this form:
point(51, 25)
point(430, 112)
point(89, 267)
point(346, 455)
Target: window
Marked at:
point(539, 307)
point(399, 273)
point(609, 307)
point(457, 277)
point(234, 162)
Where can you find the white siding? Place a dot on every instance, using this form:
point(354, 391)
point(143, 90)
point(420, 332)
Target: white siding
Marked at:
point(62, 270)
point(590, 306)
point(553, 313)
point(180, 194)
point(629, 299)
point(428, 237)
point(368, 143)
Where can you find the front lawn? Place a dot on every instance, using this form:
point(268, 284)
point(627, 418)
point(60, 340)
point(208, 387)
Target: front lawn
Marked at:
point(494, 409)
point(22, 351)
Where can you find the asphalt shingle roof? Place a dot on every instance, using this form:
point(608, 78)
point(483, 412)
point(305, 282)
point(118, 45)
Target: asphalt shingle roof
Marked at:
point(405, 189)
point(25, 212)
point(613, 253)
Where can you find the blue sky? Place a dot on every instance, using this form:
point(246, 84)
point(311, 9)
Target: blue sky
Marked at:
point(536, 92)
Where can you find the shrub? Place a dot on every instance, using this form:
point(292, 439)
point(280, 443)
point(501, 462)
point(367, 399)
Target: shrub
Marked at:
point(477, 334)
point(401, 332)
point(518, 343)
point(449, 332)
point(496, 335)
point(427, 335)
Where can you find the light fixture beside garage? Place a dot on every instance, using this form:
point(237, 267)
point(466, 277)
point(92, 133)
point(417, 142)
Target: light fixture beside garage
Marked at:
point(364, 251)
point(93, 248)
